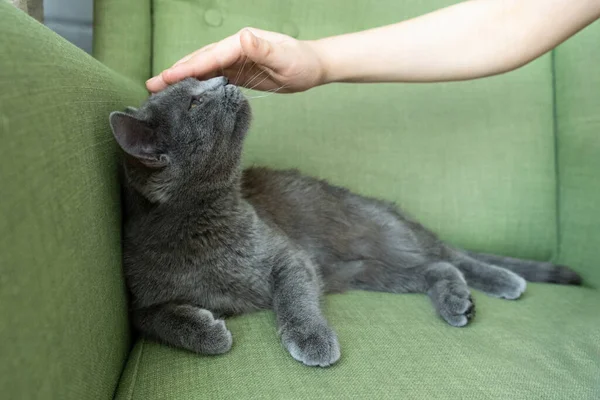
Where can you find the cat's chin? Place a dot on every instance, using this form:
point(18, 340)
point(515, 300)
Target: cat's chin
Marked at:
point(243, 117)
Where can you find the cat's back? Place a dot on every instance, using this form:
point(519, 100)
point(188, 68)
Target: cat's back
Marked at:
point(307, 209)
point(327, 219)
point(282, 193)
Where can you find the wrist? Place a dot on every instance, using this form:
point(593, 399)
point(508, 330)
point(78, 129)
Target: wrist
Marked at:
point(325, 68)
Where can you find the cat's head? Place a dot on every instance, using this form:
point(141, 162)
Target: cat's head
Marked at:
point(187, 137)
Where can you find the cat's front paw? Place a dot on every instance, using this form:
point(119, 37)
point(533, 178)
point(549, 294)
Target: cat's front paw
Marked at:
point(215, 337)
point(312, 345)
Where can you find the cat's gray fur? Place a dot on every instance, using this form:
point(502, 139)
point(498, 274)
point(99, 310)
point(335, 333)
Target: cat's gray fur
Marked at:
point(204, 239)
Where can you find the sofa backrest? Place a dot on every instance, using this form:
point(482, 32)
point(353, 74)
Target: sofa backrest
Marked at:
point(577, 72)
point(473, 160)
point(64, 332)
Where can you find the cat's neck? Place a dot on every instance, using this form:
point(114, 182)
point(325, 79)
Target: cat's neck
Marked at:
point(213, 200)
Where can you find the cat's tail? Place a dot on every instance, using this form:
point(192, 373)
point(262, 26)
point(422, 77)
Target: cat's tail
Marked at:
point(532, 271)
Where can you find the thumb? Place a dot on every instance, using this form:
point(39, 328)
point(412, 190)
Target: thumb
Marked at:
point(261, 51)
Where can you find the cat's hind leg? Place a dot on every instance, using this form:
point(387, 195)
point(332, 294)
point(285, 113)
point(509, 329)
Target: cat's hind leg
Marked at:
point(442, 281)
point(449, 293)
point(490, 279)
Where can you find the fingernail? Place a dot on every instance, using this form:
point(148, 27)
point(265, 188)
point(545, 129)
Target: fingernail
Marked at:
point(254, 39)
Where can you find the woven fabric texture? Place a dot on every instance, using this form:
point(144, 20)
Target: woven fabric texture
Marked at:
point(544, 346)
point(123, 36)
point(578, 154)
point(64, 331)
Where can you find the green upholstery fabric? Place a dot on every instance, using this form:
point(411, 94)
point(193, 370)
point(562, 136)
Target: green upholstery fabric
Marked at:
point(63, 333)
point(544, 346)
point(578, 128)
point(474, 161)
point(506, 164)
point(123, 36)
point(477, 161)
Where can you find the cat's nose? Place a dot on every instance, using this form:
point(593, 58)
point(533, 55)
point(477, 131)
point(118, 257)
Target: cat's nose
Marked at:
point(214, 83)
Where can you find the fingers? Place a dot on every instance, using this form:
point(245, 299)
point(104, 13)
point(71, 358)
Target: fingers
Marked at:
point(207, 60)
point(213, 59)
point(193, 54)
point(155, 84)
point(263, 52)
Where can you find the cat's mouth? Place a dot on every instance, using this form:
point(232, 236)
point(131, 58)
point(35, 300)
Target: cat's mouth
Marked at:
point(234, 94)
point(235, 99)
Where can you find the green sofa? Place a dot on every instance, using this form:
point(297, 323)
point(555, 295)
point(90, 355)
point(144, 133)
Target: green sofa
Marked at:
point(509, 164)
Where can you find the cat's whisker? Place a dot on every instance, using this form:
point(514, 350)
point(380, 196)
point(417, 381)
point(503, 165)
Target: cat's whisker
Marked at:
point(249, 80)
point(259, 73)
point(264, 79)
point(243, 87)
point(252, 78)
point(239, 73)
point(269, 92)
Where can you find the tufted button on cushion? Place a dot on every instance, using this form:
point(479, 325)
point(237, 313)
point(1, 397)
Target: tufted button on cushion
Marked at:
point(213, 17)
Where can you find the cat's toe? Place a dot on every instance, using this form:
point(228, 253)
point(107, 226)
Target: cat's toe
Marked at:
point(457, 308)
point(315, 347)
point(217, 339)
point(510, 289)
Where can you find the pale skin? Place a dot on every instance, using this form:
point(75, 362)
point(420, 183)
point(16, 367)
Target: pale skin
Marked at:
point(469, 40)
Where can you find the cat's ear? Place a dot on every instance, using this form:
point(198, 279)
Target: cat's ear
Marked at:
point(130, 110)
point(137, 139)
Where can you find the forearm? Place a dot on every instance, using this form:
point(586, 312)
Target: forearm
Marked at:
point(469, 40)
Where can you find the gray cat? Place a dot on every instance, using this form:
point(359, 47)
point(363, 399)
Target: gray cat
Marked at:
point(205, 240)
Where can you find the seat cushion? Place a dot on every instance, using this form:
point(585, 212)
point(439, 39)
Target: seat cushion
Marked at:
point(472, 160)
point(544, 346)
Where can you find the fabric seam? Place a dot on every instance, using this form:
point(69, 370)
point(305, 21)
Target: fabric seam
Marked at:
point(151, 11)
point(136, 368)
point(556, 255)
point(151, 67)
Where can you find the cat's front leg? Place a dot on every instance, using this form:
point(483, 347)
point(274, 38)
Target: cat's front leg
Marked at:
point(184, 326)
point(304, 331)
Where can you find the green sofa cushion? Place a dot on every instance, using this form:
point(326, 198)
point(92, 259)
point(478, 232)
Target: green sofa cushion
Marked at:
point(476, 161)
point(123, 36)
point(473, 160)
point(64, 332)
point(543, 346)
point(578, 140)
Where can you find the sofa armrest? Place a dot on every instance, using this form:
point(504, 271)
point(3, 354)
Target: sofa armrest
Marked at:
point(123, 36)
point(64, 331)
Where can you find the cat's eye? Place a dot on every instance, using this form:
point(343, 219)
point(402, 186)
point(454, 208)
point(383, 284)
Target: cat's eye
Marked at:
point(195, 102)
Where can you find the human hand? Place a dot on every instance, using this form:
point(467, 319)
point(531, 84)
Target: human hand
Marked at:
point(252, 58)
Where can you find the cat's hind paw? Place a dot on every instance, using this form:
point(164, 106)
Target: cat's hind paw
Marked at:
point(506, 285)
point(453, 302)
